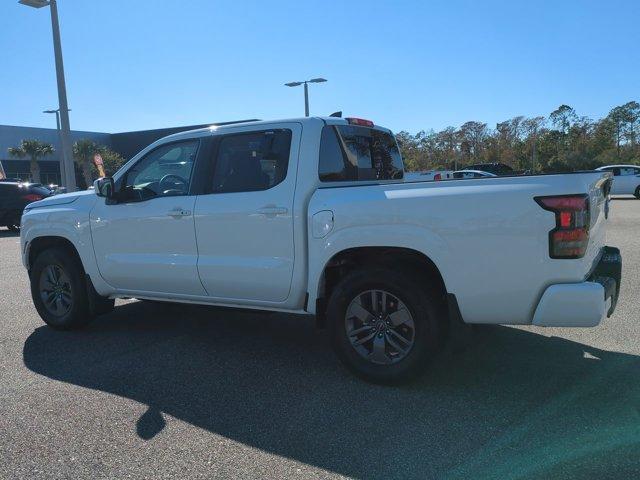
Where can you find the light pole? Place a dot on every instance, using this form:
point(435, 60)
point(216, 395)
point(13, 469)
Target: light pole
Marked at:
point(65, 131)
point(306, 91)
point(62, 165)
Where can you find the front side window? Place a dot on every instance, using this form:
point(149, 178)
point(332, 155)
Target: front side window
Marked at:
point(253, 161)
point(165, 171)
point(349, 153)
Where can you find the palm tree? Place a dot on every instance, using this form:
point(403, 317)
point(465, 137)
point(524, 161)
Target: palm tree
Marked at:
point(34, 149)
point(83, 152)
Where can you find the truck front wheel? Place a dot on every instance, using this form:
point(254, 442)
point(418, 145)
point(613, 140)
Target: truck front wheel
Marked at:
point(59, 289)
point(383, 324)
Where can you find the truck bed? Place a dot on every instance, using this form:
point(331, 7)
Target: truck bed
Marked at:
point(488, 237)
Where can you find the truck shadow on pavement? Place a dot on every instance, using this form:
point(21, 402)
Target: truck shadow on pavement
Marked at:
point(515, 404)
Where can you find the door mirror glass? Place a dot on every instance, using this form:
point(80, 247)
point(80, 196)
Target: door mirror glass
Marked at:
point(104, 187)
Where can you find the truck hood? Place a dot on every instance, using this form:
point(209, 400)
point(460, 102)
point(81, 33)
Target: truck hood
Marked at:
point(61, 199)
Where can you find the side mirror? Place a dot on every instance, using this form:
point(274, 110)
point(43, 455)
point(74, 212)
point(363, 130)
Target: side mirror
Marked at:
point(104, 187)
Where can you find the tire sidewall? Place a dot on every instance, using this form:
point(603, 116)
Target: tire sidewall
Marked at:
point(79, 313)
point(14, 223)
point(421, 306)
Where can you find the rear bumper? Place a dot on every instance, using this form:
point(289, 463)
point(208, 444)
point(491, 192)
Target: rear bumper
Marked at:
point(583, 304)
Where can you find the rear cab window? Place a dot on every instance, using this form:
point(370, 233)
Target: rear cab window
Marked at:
point(355, 153)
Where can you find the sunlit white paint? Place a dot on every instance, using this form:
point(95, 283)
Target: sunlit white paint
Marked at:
point(488, 237)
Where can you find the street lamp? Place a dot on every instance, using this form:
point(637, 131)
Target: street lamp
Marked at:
point(306, 91)
point(65, 131)
point(62, 165)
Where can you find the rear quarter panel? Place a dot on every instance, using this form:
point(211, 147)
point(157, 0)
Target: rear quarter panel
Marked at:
point(488, 237)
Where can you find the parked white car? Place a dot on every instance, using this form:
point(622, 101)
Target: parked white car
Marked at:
point(626, 179)
point(312, 215)
point(472, 174)
point(429, 175)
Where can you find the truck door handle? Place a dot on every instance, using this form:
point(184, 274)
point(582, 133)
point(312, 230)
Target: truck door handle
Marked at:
point(272, 210)
point(179, 212)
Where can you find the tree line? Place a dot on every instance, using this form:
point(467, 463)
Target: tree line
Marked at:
point(561, 142)
point(84, 151)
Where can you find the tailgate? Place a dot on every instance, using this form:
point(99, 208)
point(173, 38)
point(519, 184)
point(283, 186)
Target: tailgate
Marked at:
point(598, 191)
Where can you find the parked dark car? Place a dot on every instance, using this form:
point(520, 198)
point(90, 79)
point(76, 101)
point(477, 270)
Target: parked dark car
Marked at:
point(495, 168)
point(14, 196)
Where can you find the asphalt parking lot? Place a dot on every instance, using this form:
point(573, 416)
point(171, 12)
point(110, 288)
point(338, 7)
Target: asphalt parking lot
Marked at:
point(170, 391)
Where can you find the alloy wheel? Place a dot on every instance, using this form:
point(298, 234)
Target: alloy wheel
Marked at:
point(55, 290)
point(380, 327)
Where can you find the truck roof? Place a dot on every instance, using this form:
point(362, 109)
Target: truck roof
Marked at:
point(230, 126)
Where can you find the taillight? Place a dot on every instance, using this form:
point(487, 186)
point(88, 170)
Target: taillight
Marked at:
point(32, 197)
point(571, 236)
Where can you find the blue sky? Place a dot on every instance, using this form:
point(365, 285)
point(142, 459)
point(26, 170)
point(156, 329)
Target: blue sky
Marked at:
point(408, 65)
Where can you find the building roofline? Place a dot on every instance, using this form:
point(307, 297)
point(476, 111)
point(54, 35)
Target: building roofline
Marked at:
point(53, 129)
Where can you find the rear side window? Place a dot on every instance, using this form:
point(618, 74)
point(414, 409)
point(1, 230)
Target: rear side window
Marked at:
point(38, 190)
point(11, 190)
point(349, 153)
point(248, 162)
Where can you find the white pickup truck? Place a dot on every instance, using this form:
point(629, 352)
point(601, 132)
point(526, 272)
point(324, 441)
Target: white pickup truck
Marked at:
point(313, 216)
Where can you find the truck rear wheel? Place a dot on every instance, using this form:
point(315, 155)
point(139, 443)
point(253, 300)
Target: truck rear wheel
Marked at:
point(59, 289)
point(383, 324)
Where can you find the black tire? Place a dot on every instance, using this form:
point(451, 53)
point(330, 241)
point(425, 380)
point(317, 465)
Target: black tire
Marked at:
point(79, 313)
point(637, 193)
point(424, 306)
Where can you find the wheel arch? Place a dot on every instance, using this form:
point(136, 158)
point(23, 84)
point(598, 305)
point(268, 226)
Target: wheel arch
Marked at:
point(39, 244)
point(398, 258)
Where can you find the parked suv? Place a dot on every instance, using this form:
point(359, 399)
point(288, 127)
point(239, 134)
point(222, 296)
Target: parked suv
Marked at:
point(14, 196)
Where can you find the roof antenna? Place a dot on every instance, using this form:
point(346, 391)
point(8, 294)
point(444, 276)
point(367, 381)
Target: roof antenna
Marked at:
point(336, 114)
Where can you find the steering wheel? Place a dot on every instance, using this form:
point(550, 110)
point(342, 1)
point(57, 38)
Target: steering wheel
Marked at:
point(173, 182)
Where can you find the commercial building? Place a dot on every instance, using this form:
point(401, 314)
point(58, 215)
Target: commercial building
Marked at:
point(126, 144)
